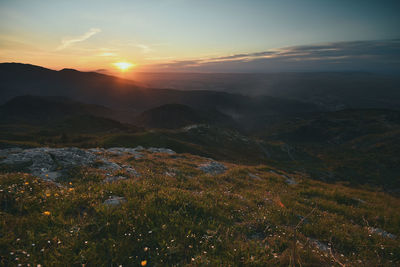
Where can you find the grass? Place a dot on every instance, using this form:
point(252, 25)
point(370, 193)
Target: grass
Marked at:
point(244, 217)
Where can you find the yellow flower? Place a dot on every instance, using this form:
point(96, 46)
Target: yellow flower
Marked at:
point(48, 194)
point(47, 213)
point(26, 183)
point(144, 263)
point(70, 189)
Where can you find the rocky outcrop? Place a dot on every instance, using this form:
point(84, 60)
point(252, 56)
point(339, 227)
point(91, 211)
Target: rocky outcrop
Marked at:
point(47, 163)
point(54, 163)
point(381, 232)
point(213, 167)
point(161, 150)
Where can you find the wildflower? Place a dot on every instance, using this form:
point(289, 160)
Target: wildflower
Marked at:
point(146, 249)
point(48, 194)
point(143, 263)
point(26, 183)
point(70, 189)
point(47, 213)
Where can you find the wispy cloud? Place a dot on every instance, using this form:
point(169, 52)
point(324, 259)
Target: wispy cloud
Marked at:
point(375, 55)
point(66, 42)
point(145, 48)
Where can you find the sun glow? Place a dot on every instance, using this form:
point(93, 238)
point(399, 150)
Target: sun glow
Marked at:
point(124, 66)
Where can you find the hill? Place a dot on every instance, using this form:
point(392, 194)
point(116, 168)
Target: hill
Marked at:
point(35, 120)
point(333, 146)
point(173, 116)
point(329, 90)
point(46, 110)
point(169, 116)
point(359, 147)
point(128, 98)
point(154, 207)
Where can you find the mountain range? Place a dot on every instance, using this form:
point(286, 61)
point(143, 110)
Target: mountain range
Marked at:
point(86, 109)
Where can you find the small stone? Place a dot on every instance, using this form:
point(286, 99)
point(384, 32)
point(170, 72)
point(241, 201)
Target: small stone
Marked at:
point(114, 201)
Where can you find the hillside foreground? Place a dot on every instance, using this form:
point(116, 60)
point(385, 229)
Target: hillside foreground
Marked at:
point(154, 207)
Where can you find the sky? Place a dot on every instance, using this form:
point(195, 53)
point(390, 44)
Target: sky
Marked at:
point(202, 36)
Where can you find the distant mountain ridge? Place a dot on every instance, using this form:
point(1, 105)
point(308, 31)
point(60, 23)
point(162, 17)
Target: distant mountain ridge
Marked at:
point(119, 94)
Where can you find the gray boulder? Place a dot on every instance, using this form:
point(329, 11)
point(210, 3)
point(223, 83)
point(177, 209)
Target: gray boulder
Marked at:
point(47, 163)
point(161, 150)
point(114, 201)
point(213, 168)
point(381, 232)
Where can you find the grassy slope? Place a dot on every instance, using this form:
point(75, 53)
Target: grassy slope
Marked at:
point(192, 218)
point(358, 144)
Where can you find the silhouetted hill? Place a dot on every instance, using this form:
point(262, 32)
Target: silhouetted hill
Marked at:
point(172, 116)
point(38, 116)
point(40, 110)
point(88, 87)
point(330, 90)
point(169, 116)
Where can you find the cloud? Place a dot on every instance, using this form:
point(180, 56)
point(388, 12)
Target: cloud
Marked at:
point(107, 54)
point(66, 42)
point(145, 48)
point(375, 55)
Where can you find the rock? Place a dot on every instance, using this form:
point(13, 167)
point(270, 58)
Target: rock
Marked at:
point(161, 150)
point(360, 200)
point(381, 232)
point(112, 179)
point(319, 245)
point(96, 150)
point(132, 171)
point(114, 201)
point(109, 166)
point(290, 181)
point(5, 152)
point(170, 174)
point(213, 168)
point(119, 151)
point(48, 163)
point(254, 176)
point(54, 163)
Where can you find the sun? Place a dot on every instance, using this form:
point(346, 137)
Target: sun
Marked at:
point(124, 66)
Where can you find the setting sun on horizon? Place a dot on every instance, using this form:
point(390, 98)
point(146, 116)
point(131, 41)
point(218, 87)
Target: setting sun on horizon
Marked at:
point(124, 66)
